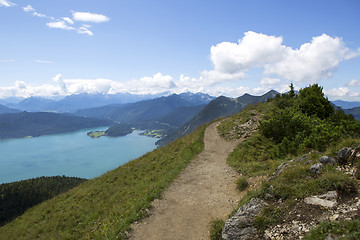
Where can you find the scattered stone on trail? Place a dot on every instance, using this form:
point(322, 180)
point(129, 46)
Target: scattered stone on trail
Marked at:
point(316, 168)
point(327, 160)
point(240, 226)
point(328, 200)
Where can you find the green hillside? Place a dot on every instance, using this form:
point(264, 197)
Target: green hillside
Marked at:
point(294, 132)
point(16, 197)
point(291, 130)
point(24, 124)
point(104, 207)
point(217, 108)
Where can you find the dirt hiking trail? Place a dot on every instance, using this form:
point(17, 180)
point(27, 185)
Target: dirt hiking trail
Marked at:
point(204, 191)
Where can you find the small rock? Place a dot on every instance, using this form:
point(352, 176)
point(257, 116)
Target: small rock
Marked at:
point(316, 168)
point(334, 217)
point(327, 160)
point(327, 200)
point(343, 155)
point(315, 200)
point(331, 236)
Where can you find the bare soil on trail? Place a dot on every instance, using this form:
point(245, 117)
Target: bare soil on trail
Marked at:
point(204, 191)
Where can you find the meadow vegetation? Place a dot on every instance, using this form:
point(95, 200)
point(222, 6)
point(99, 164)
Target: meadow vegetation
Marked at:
point(293, 125)
point(105, 207)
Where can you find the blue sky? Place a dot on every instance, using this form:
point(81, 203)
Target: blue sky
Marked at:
point(229, 47)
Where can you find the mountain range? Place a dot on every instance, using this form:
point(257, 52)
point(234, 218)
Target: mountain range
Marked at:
point(76, 102)
point(218, 108)
point(24, 124)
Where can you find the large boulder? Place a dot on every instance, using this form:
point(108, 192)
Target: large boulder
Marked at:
point(240, 226)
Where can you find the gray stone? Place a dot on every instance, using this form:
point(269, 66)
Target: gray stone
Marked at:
point(240, 226)
point(331, 236)
point(327, 200)
point(279, 170)
point(343, 155)
point(316, 168)
point(327, 160)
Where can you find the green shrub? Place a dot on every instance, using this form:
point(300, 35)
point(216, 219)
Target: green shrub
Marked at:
point(242, 183)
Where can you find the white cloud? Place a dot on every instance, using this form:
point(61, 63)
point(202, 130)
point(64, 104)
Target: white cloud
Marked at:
point(43, 61)
point(32, 10)
point(6, 3)
point(41, 15)
point(59, 25)
point(253, 50)
point(89, 17)
point(28, 8)
point(310, 63)
point(68, 20)
point(354, 83)
point(85, 30)
point(67, 23)
point(343, 93)
point(270, 81)
point(151, 84)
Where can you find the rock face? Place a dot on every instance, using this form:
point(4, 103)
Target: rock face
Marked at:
point(240, 226)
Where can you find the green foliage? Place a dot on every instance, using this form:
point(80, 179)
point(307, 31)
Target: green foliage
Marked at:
point(307, 121)
point(339, 229)
point(253, 157)
point(242, 183)
point(104, 207)
point(216, 227)
point(313, 103)
point(119, 130)
point(16, 197)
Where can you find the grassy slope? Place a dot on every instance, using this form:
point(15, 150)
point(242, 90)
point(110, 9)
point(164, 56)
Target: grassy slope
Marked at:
point(253, 158)
point(104, 207)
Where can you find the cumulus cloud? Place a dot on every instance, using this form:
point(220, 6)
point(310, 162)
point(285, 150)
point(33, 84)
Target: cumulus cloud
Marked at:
point(6, 3)
point(89, 17)
point(312, 62)
point(253, 50)
point(341, 93)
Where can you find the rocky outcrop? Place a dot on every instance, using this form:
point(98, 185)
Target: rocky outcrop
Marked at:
point(240, 226)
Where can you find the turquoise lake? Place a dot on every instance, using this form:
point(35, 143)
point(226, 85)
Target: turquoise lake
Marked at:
point(71, 154)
